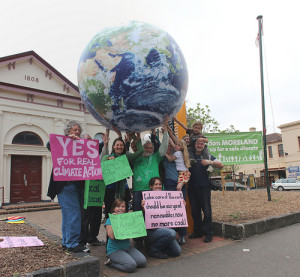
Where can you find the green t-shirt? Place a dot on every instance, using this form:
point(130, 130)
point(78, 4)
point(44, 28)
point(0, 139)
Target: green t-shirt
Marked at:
point(116, 244)
point(144, 168)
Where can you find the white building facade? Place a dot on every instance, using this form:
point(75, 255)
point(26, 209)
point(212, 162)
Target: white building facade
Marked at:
point(35, 101)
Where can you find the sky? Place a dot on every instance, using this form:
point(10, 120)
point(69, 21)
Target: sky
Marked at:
point(217, 39)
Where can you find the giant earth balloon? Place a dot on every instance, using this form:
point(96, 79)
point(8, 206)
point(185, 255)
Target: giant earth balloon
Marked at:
point(132, 76)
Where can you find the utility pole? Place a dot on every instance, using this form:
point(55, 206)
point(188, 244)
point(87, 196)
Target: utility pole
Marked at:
point(259, 18)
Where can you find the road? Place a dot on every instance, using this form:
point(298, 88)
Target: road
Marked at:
point(273, 254)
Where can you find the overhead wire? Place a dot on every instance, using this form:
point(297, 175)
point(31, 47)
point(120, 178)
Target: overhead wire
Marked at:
point(267, 75)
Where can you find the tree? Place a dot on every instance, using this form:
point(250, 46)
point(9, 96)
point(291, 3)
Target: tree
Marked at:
point(210, 124)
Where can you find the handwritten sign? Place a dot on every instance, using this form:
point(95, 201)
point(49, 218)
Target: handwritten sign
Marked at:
point(9, 242)
point(115, 170)
point(164, 209)
point(75, 159)
point(94, 192)
point(128, 225)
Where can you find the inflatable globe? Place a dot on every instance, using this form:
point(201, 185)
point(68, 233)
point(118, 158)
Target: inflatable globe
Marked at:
point(132, 76)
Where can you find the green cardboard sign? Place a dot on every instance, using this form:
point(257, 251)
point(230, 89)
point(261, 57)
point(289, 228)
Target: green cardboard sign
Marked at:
point(128, 225)
point(115, 170)
point(94, 192)
point(236, 148)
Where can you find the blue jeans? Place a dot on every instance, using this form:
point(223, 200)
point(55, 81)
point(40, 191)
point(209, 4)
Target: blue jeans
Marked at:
point(170, 185)
point(200, 199)
point(163, 240)
point(69, 201)
point(127, 260)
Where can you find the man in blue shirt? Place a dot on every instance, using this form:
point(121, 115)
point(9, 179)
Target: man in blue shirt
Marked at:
point(199, 192)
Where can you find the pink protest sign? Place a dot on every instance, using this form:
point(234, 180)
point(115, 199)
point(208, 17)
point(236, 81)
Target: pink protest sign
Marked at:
point(75, 159)
point(9, 242)
point(164, 209)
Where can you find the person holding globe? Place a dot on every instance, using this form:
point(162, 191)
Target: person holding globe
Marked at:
point(119, 189)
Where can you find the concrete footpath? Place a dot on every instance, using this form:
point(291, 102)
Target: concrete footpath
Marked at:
point(49, 222)
point(272, 254)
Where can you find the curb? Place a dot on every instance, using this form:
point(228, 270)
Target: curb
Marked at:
point(251, 228)
point(88, 266)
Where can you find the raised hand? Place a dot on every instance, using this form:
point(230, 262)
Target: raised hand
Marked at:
point(117, 131)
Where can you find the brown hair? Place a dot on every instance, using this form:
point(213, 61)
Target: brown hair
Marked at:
point(198, 123)
point(114, 143)
point(152, 181)
point(117, 202)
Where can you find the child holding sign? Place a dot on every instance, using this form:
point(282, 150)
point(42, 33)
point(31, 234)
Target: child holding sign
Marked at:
point(121, 255)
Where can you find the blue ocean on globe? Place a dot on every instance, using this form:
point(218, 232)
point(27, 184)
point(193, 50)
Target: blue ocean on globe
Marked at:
point(132, 76)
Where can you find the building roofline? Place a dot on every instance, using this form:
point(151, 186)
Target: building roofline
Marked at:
point(289, 124)
point(32, 53)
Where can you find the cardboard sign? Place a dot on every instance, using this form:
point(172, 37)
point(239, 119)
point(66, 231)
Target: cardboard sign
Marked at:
point(9, 242)
point(94, 191)
point(128, 225)
point(164, 209)
point(75, 159)
point(115, 170)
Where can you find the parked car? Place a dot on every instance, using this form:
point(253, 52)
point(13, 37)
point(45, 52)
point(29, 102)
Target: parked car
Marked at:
point(286, 184)
point(238, 186)
point(229, 186)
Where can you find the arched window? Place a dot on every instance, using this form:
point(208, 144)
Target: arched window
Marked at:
point(27, 138)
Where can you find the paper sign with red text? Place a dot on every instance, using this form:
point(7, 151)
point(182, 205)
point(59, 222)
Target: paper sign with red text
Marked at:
point(75, 159)
point(164, 209)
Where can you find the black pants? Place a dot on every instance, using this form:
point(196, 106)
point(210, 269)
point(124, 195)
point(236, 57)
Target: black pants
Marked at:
point(200, 199)
point(90, 224)
point(110, 197)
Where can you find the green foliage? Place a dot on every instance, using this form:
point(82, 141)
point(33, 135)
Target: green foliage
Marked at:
point(231, 168)
point(236, 215)
point(277, 199)
point(228, 176)
point(210, 124)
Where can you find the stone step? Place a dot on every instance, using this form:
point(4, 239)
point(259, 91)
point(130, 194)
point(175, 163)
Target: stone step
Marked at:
point(28, 207)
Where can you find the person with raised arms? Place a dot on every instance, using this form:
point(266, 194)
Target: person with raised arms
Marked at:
point(119, 189)
point(91, 216)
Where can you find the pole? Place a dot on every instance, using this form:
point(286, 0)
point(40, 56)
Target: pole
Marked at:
point(233, 177)
point(259, 18)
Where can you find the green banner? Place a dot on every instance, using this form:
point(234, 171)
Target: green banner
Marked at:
point(94, 191)
point(115, 170)
point(236, 148)
point(128, 225)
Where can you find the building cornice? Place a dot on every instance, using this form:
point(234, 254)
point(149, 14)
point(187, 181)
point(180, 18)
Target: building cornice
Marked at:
point(31, 54)
point(289, 124)
point(44, 93)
